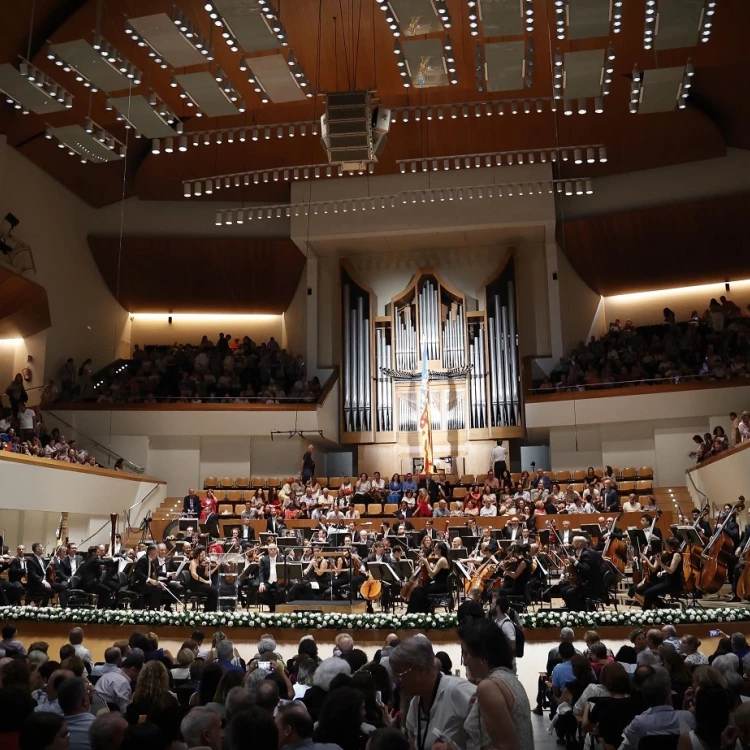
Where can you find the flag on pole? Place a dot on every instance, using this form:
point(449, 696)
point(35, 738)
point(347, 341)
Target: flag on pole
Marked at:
point(425, 426)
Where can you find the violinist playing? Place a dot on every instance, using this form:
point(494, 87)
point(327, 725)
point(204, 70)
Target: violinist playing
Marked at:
point(516, 571)
point(437, 569)
point(200, 578)
point(666, 574)
point(341, 573)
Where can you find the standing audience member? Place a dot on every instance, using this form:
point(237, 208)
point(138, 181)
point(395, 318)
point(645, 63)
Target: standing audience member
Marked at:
point(440, 702)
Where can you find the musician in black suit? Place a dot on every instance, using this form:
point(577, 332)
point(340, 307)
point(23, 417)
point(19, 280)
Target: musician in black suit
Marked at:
point(608, 529)
point(429, 530)
point(90, 575)
point(270, 590)
point(71, 562)
point(379, 555)
point(588, 568)
point(274, 524)
point(246, 534)
point(38, 588)
point(191, 505)
point(61, 582)
point(10, 593)
point(703, 527)
point(513, 529)
point(145, 579)
point(166, 568)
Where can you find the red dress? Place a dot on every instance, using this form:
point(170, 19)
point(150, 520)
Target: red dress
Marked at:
point(425, 511)
point(208, 505)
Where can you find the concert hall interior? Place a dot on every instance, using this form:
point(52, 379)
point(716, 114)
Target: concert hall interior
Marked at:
point(375, 315)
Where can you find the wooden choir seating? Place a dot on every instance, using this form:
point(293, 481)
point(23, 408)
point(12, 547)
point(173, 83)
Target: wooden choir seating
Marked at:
point(629, 479)
point(374, 524)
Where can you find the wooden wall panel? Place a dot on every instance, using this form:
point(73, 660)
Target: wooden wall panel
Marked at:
point(197, 274)
point(24, 309)
point(696, 242)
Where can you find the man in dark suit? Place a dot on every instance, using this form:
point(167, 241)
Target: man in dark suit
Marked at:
point(428, 530)
point(191, 505)
point(246, 533)
point(379, 555)
point(610, 497)
point(90, 575)
point(703, 527)
point(71, 562)
point(590, 574)
point(145, 579)
point(512, 529)
point(270, 591)
point(274, 524)
point(38, 587)
point(18, 567)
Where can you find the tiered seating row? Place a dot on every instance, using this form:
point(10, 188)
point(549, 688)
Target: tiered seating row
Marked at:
point(629, 479)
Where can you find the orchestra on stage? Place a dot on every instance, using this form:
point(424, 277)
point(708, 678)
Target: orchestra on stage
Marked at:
point(393, 565)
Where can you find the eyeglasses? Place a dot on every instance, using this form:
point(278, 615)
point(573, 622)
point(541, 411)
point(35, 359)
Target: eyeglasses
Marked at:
point(400, 675)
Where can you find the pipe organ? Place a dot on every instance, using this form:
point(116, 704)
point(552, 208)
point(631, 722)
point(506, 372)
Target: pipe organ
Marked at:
point(472, 359)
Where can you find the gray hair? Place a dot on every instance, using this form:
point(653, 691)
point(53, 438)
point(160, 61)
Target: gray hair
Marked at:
point(735, 683)
point(739, 642)
point(328, 669)
point(306, 668)
point(567, 634)
point(104, 728)
point(266, 644)
point(36, 658)
point(238, 699)
point(726, 663)
point(224, 649)
point(413, 653)
point(648, 658)
point(656, 687)
point(252, 679)
point(197, 721)
point(669, 631)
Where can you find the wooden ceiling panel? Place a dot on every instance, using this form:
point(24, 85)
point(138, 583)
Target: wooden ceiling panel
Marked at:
point(696, 242)
point(348, 45)
point(191, 274)
point(24, 309)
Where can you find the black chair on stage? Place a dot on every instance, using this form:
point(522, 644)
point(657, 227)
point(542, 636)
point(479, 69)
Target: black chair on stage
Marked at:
point(191, 598)
point(446, 599)
point(77, 598)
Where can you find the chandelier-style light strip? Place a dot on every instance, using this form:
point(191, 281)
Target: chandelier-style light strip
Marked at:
point(563, 17)
point(683, 91)
point(404, 114)
point(109, 53)
point(207, 185)
point(158, 105)
point(226, 85)
point(229, 216)
point(590, 154)
point(441, 6)
point(707, 20)
point(188, 30)
point(95, 131)
point(48, 86)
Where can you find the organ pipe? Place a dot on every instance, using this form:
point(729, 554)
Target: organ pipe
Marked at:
point(514, 368)
point(347, 360)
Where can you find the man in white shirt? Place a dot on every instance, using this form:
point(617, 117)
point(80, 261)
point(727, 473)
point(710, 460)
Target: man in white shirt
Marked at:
point(378, 487)
point(565, 535)
point(498, 459)
point(115, 684)
point(27, 422)
point(440, 702)
point(269, 590)
point(488, 509)
point(512, 529)
point(631, 505)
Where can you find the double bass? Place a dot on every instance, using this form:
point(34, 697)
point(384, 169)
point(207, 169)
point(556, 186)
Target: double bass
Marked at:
point(717, 555)
point(743, 582)
point(691, 559)
point(615, 551)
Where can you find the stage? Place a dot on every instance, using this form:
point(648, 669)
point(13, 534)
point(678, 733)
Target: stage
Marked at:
point(325, 619)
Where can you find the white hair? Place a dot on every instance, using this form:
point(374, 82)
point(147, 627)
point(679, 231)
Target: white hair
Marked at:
point(266, 644)
point(197, 721)
point(648, 658)
point(413, 653)
point(567, 634)
point(726, 663)
point(328, 669)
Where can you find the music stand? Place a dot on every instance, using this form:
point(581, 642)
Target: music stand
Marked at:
point(286, 542)
point(291, 571)
point(266, 537)
point(470, 542)
point(459, 553)
point(592, 529)
point(405, 569)
point(461, 531)
point(689, 535)
point(637, 538)
point(399, 541)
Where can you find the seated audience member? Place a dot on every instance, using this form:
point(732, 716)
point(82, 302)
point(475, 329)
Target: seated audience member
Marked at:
point(659, 717)
point(107, 731)
point(201, 728)
point(73, 697)
point(44, 731)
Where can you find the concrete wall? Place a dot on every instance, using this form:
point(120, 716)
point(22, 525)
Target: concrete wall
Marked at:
point(722, 480)
point(30, 511)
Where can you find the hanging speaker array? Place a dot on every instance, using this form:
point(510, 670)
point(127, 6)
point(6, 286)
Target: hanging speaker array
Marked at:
point(472, 358)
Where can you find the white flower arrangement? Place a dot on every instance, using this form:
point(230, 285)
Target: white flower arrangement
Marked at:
point(242, 619)
point(339, 621)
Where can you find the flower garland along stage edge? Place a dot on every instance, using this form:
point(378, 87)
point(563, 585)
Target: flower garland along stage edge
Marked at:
point(338, 621)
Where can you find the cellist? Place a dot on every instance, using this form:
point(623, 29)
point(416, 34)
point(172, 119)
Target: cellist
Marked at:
point(702, 526)
point(667, 568)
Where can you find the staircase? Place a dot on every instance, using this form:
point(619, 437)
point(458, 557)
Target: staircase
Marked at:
point(160, 518)
point(674, 498)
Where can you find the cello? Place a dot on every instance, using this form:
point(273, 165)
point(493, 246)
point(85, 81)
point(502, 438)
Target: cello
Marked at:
point(717, 555)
